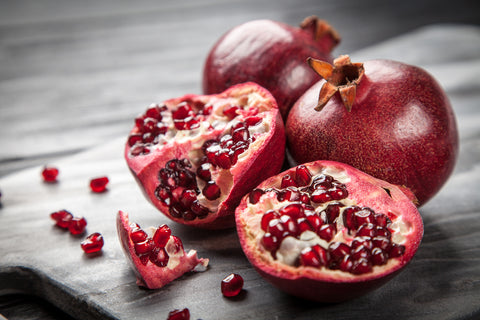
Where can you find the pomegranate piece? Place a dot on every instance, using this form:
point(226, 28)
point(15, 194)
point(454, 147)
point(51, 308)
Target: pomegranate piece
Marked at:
point(93, 243)
point(389, 119)
point(177, 314)
point(232, 285)
point(99, 185)
point(329, 250)
point(205, 152)
point(251, 51)
point(50, 174)
point(156, 256)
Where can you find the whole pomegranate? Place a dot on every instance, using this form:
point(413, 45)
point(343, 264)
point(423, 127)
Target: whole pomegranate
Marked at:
point(156, 256)
point(272, 54)
point(196, 156)
point(328, 232)
point(389, 119)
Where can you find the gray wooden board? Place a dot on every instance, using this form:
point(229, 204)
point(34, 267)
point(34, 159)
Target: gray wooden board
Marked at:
point(442, 281)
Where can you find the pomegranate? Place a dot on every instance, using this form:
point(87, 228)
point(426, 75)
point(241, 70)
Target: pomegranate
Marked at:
point(177, 314)
point(196, 156)
point(50, 174)
point(272, 54)
point(232, 285)
point(326, 231)
point(156, 256)
point(389, 119)
point(93, 243)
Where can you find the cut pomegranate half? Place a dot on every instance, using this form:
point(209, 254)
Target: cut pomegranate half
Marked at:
point(156, 256)
point(196, 156)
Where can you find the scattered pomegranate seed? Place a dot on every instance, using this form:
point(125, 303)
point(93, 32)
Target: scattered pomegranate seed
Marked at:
point(232, 285)
point(99, 185)
point(93, 243)
point(50, 174)
point(179, 314)
point(77, 225)
point(62, 218)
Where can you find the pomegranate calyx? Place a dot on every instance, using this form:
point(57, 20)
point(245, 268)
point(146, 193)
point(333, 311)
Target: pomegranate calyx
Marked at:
point(321, 31)
point(342, 77)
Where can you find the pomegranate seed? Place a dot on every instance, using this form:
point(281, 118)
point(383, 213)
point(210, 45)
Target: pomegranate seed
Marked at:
point(144, 247)
point(230, 111)
point(294, 210)
point(154, 112)
point(50, 174)
point(187, 198)
point(255, 195)
point(322, 254)
point(183, 111)
point(361, 266)
point(266, 218)
point(346, 264)
point(62, 218)
point(396, 250)
point(332, 211)
point(161, 236)
point(348, 219)
point(159, 257)
point(270, 242)
point(138, 235)
point(199, 210)
point(315, 222)
point(363, 216)
point(134, 138)
point(203, 172)
point(382, 220)
point(381, 242)
point(362, 241)
point(276, 228)
point(93, 243)
point(232, 285)
point(288, 181)
point(308, 258)
point(360, 252)
point(367, 230)
point(378, 257)
point(222, 159)
point(302, 176)
point(290, 226)
point(320, 196)
point(179, 314)
point(211, 191)
point(77, 225)
point(338, 250)
point(327, 232)
point(253, 120)
point(99, 185)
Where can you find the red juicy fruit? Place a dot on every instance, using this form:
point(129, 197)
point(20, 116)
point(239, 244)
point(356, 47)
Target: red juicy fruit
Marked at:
point(196, 156)
point(271, 54)
point(99, 185)
point(93, 243)
point(389, 119)
point(157, 258)
point(50, 174)
point(232, 285)
point(326, 231)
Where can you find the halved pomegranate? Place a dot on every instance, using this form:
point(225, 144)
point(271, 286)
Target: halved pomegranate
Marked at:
point(196, 156)
point(156, 256)
point(326, 231)
point(272, 54)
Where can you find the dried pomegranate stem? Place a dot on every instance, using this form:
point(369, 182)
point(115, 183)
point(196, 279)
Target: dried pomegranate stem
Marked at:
point(343, 77)
point(321, 31)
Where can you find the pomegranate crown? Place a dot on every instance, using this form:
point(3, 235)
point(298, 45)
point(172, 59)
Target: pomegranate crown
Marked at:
point(343, 76)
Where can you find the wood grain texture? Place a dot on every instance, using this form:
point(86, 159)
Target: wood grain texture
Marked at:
point(74, 74)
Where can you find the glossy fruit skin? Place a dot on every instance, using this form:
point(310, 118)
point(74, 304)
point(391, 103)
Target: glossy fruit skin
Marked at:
point(401, 128)
point(314, 284)
point(260, 162)
point(269, 53)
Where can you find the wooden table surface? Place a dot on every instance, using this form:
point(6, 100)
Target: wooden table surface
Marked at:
point(74, 74)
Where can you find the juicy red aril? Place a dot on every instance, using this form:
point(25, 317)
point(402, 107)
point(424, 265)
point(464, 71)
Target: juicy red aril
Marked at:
point(159, 257)
point(144, 247)
point(62, 218)
point(93, 243)
point(230, 111)
point(77, 225)
point(176, 314)
point(211, 191)
point(50, 174)
point(314, 204)
point(161, 235)
point(232, 285)
point(138, 235)
point(99, 185)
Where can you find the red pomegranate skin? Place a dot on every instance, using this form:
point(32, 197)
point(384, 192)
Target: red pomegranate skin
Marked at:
point(401, 128)
point(270, 53)
point(326, 285)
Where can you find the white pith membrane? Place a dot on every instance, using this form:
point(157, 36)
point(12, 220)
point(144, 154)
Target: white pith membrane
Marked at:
point(187, 144)
point(288, 253)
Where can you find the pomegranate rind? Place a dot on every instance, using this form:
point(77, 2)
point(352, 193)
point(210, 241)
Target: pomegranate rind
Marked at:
point(322, 284)
point(264, 158)
point(150, 275)
point(401, 128)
